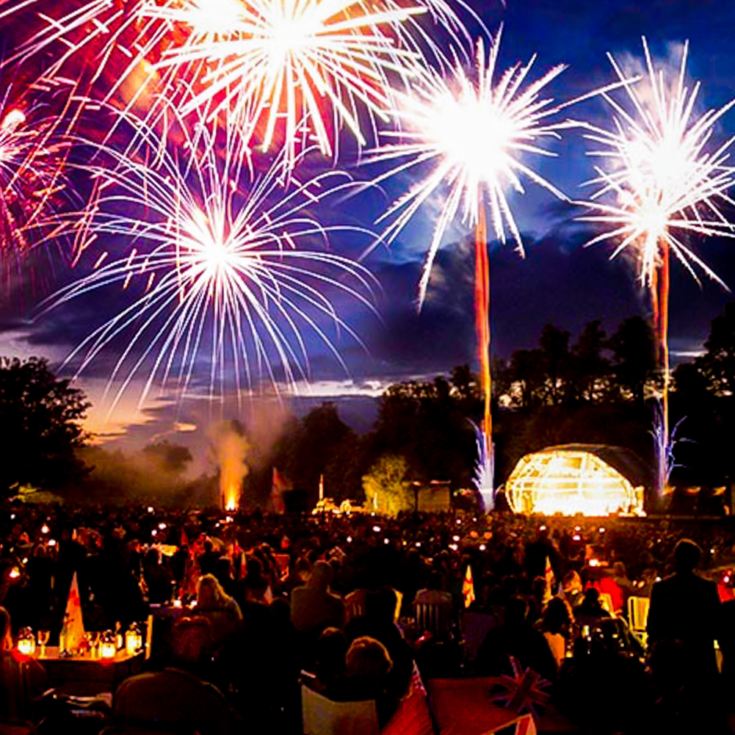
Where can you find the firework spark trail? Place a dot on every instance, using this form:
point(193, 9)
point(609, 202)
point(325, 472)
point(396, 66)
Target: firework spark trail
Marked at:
point(32, 162)
point(473, 133)
point(476, 133)
point(484, 468)
point(663, 182)
point(229, 272)
point(100, 27)
point(301, 70)
point(110, 46)
point(482, 330)
point(420, 37)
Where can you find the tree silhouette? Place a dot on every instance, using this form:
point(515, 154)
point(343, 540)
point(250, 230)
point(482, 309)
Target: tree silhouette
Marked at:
point(40, 426)
point(634, 349)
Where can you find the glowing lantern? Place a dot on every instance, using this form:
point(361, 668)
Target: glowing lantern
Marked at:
point(133, 640)
point(108, 647)
point(26, 642)
point(571, 480)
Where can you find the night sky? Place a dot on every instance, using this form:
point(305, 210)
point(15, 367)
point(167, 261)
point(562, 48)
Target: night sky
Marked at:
point(559, 281)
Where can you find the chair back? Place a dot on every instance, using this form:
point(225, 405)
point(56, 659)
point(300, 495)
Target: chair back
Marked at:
point(433, 612)
point(638, 613)
point(323, 716)
point(607, 602)
point(355, 604)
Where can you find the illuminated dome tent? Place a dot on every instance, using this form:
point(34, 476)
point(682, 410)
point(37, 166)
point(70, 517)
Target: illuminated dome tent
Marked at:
point(586, 479)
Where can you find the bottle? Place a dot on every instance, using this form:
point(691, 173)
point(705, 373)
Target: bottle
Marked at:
point(119, 640)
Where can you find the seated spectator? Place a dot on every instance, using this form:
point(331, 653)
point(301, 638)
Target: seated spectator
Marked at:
point(607, 585)
point(329, 661)
point(175, 699)
point(378, 622)
point(367, 676)
point(516, 638)
point(313, 606)
point(620, 575)
point(590, 610)
point(21, 679)
point(555, 625)
point(604, 688)
point(298, 574)
point(261, 663)
point(540, 595)
point(218, 607)
point(571, 589)
point(158, 579)
point(223, 574)
point(207, 560)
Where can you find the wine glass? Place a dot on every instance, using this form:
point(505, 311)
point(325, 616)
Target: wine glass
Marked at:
point(96, 635)
point(88, 644)
point(43, 638)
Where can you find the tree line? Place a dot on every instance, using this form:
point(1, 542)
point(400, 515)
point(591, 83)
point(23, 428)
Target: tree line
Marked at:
point(594, 387)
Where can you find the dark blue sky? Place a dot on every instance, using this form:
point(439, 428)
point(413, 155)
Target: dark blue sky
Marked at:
point(558, 281)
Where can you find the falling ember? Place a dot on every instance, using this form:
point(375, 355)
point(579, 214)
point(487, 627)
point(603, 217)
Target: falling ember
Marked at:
point(663, 180)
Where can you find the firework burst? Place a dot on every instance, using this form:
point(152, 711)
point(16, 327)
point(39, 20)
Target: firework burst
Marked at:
point(32, 159)
point(87, 40)
point(224, 266)
point(662, 179)
point(300, 70)
point(473, 132)
point(662, 182)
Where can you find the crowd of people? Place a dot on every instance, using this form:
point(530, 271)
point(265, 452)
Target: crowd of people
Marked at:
point(259, 604)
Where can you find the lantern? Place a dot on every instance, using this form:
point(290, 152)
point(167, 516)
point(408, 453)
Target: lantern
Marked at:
point(108, 649)
point(26, 642)
point(133, 640)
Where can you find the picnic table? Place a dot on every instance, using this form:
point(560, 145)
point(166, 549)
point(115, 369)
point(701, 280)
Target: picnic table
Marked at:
point(87, 675)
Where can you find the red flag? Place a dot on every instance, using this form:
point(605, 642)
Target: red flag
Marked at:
point(72, 631)
point(468, 587)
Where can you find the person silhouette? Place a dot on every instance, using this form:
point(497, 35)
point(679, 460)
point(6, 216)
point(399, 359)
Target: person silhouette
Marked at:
point(682, 626)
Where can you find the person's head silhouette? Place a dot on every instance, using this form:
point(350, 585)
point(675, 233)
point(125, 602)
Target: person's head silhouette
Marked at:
point(686, 556)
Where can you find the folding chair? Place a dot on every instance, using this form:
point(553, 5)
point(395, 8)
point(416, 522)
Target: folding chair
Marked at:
point(323, 716)
point(433, 611)
point(355, 604)
point(638, 616)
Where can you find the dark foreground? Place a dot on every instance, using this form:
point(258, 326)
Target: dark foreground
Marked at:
point(244, 611)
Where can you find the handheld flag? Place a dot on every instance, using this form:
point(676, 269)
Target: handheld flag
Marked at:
point(468, 587)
